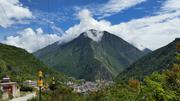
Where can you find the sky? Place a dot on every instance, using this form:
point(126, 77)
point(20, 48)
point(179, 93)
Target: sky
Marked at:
point(34, 24)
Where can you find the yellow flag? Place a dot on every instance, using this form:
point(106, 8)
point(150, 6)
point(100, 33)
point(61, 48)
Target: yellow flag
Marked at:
point(40, 83)
point(40, 74)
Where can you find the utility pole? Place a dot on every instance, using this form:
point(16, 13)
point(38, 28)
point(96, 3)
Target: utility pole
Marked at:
point(53, 83)
point(40, 84)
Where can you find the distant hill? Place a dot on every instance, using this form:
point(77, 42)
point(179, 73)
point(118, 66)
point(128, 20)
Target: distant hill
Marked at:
point(21, 65)
point(91, 56)
point(146, 50)
point(158, 60)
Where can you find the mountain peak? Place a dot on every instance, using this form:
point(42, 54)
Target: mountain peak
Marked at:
point(95, 35)
point(93, 30)
point(147, 50)
point(93, 55)
point(177, 40)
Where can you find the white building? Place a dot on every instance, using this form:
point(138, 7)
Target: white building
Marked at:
point(85, 87)
point(30, 83)
point(9, 88)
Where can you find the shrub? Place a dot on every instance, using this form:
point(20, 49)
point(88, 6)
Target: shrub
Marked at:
point(134, 84)
point(26, 89)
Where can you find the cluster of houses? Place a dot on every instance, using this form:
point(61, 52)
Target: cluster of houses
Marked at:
point(30, 83)
point(84, 87)
point(12, 89)
point(88, 86)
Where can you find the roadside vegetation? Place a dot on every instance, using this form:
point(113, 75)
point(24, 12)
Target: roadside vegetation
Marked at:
point(163, 86)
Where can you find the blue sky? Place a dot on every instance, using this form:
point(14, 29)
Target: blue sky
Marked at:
point(63, 7)
point(63, 15)
point(66, 11)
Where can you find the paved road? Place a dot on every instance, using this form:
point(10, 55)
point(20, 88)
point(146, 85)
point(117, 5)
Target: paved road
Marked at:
point(24, 98)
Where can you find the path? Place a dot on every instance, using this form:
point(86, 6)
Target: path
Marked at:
point(24, 98)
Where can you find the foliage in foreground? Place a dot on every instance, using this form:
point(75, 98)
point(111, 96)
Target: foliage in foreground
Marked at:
point(156, 87)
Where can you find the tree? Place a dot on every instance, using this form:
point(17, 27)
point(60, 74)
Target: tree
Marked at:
point(135, 84)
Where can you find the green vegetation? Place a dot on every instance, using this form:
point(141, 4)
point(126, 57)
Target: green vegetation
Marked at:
point(162, 67)
point(62, 93)
point(158, 60)
point(1, 94)
point(27, 89)
point(84, 58)
point(21, 65)
point(158, 86)
point(163, 86)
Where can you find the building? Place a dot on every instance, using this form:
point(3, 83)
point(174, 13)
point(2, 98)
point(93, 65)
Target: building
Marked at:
point(9, 89)
point(85, 87)
point(30, 83)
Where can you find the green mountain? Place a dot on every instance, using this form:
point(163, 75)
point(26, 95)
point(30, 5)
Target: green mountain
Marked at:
point(21, 65)
point(158, 60)
point(146, 50)
point(91, 56)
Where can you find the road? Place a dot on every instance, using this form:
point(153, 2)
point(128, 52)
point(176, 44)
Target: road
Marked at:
point(24, 98)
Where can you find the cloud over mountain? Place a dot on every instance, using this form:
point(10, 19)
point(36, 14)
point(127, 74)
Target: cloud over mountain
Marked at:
point(152, 32)
point(148, 32)
point(31, 40)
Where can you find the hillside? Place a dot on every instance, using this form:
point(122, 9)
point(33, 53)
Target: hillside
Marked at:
point(157, 86)
point(146, 50)
point(85, 58)
point(21, 65)
point(158, 60)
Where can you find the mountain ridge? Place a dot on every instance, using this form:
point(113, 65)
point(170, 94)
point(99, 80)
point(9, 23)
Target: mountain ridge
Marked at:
point(84, 58)
point(21, 65)
point(158, 60)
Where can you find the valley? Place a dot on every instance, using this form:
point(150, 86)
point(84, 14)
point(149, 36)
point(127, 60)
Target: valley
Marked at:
point(85, 69)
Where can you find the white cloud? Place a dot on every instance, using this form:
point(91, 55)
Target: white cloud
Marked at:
point(57, 30)
point(94, 35)
point(115, 6)
point(111, 7)
point(31, 40)
point(86, 23)
point(12, 11)
point(171, 5)
point(151, 32)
